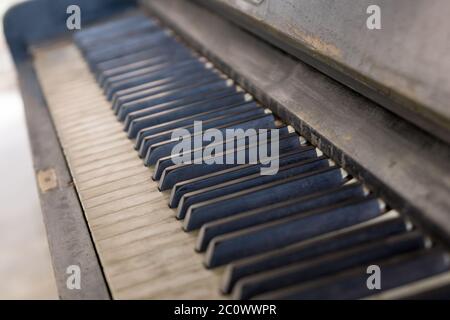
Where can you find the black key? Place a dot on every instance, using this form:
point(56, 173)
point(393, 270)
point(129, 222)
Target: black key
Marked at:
point(250, 181)
point(217, 122)
point(235, 115)
point(277, 211)
point(139, 80)
point(126, 46)
point(180, 172)
point(113, 55)
point(109, 39)
point(163, 149)
point(156, 60)
point(353, 284)
point(129, 96)
point(169, 96)
point(440, 291)
point(189, 119)
point(286, 231)
point(140, 84)
point(199, 109)
point(366, 232)
point(90, 39)
point(92, 33)
point(102, 76)
point(165, 48)
point(158, 113)
point(194, 155)
point(215, 178)
point(256, 197)
point(309, 270)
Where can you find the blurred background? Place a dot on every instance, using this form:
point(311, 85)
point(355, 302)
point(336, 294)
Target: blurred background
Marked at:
point(25, 266)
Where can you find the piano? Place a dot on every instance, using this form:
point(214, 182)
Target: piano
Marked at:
point(360, 118)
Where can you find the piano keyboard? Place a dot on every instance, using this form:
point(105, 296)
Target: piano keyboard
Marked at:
point(118, 90)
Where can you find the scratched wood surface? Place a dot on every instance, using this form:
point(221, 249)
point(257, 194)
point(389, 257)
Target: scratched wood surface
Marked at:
point(142, 249)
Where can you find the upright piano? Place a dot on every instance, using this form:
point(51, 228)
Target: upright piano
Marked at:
point(362, 122)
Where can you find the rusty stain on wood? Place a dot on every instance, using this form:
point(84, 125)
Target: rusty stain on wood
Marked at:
point(47, 180)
